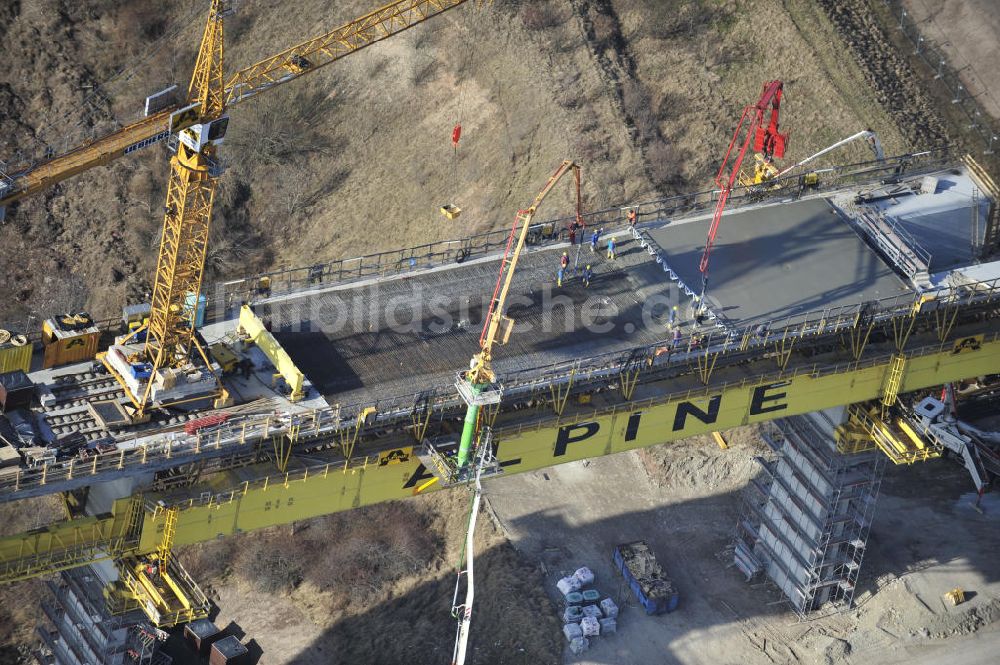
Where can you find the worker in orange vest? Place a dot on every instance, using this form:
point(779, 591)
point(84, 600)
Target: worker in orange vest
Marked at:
point(631, 216)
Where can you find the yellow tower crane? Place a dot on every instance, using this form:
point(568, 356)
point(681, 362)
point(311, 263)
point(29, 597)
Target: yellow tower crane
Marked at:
point(171, 345)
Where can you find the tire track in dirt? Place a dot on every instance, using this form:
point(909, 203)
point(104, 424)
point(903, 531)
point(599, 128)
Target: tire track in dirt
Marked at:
point(897, 87)
point(601, 27)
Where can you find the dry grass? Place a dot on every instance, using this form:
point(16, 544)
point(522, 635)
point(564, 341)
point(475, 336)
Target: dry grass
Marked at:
point(19, 602)
point(357, 158)
point(719, 54)
point(353, 159)
point(347, 579)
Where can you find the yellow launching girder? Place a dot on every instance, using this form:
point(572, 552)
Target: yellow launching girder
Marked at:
point(283, 67)
point(237, 505)
point(72, 543)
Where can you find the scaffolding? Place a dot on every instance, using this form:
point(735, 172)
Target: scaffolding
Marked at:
point(83, 629)
point(807, 515)
point(142, 647)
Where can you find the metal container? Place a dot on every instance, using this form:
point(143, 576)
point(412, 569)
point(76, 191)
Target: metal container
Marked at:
point(69, 339)
point(199, 313)
point(15, 352)
point(9, 457)
point(200, 634)
point(228, 651)
point(135, 316)
point(645, 577)
point(16, 390)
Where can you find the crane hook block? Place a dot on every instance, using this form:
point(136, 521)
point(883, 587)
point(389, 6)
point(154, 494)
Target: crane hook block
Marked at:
point(456, 134)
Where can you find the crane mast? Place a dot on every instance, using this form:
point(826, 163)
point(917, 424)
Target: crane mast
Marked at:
point(170, 347)
point(190, 193)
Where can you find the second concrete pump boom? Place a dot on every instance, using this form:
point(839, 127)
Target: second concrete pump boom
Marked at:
point(498, 325)
point(766, 140)
point(868, 135)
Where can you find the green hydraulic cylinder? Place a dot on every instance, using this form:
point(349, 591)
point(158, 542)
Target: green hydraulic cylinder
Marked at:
point(469, 430)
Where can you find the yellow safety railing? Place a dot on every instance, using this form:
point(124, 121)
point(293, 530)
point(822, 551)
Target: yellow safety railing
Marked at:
point(900, 443)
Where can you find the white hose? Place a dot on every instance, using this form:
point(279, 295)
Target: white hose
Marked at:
point(966, 428)
point(465, 620)
point(865, 134)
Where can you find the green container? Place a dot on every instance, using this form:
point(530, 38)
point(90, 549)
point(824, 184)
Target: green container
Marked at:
point(574, 598)
point(591, 596)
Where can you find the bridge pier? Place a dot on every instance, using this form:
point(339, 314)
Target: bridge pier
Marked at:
point(102, 496)
point(81, 626)
point(808, 513)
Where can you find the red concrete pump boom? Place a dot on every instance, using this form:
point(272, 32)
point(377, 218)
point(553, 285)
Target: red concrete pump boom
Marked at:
point(766, 140)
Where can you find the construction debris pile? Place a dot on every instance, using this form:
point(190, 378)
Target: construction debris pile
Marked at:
point(584, 617)
point(638, 565)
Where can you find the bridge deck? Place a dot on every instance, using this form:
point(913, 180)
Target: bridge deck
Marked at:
point(399, 336)
point(363, 343)
point(779, 260)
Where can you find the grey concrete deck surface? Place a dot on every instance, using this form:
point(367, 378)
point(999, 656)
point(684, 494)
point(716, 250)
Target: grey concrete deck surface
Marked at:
point(778, 261)
point(942, 221)
point(405, 335)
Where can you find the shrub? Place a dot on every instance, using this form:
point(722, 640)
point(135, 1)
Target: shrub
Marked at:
point(540, 17)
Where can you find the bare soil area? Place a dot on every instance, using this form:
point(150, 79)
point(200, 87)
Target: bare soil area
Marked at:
point(19, 602)
point(887, 71)
point(375, 585)
point(684, 499)
point(968, 31)
point(357, 157)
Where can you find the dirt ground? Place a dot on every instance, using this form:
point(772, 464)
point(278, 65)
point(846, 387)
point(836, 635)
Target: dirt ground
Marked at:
point(19, 603)
point(378, 580)
point(644, 95)
point(968, 31)
point(684, 500)
point(357, 157)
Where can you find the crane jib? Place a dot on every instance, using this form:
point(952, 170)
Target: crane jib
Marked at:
point(145, 143)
